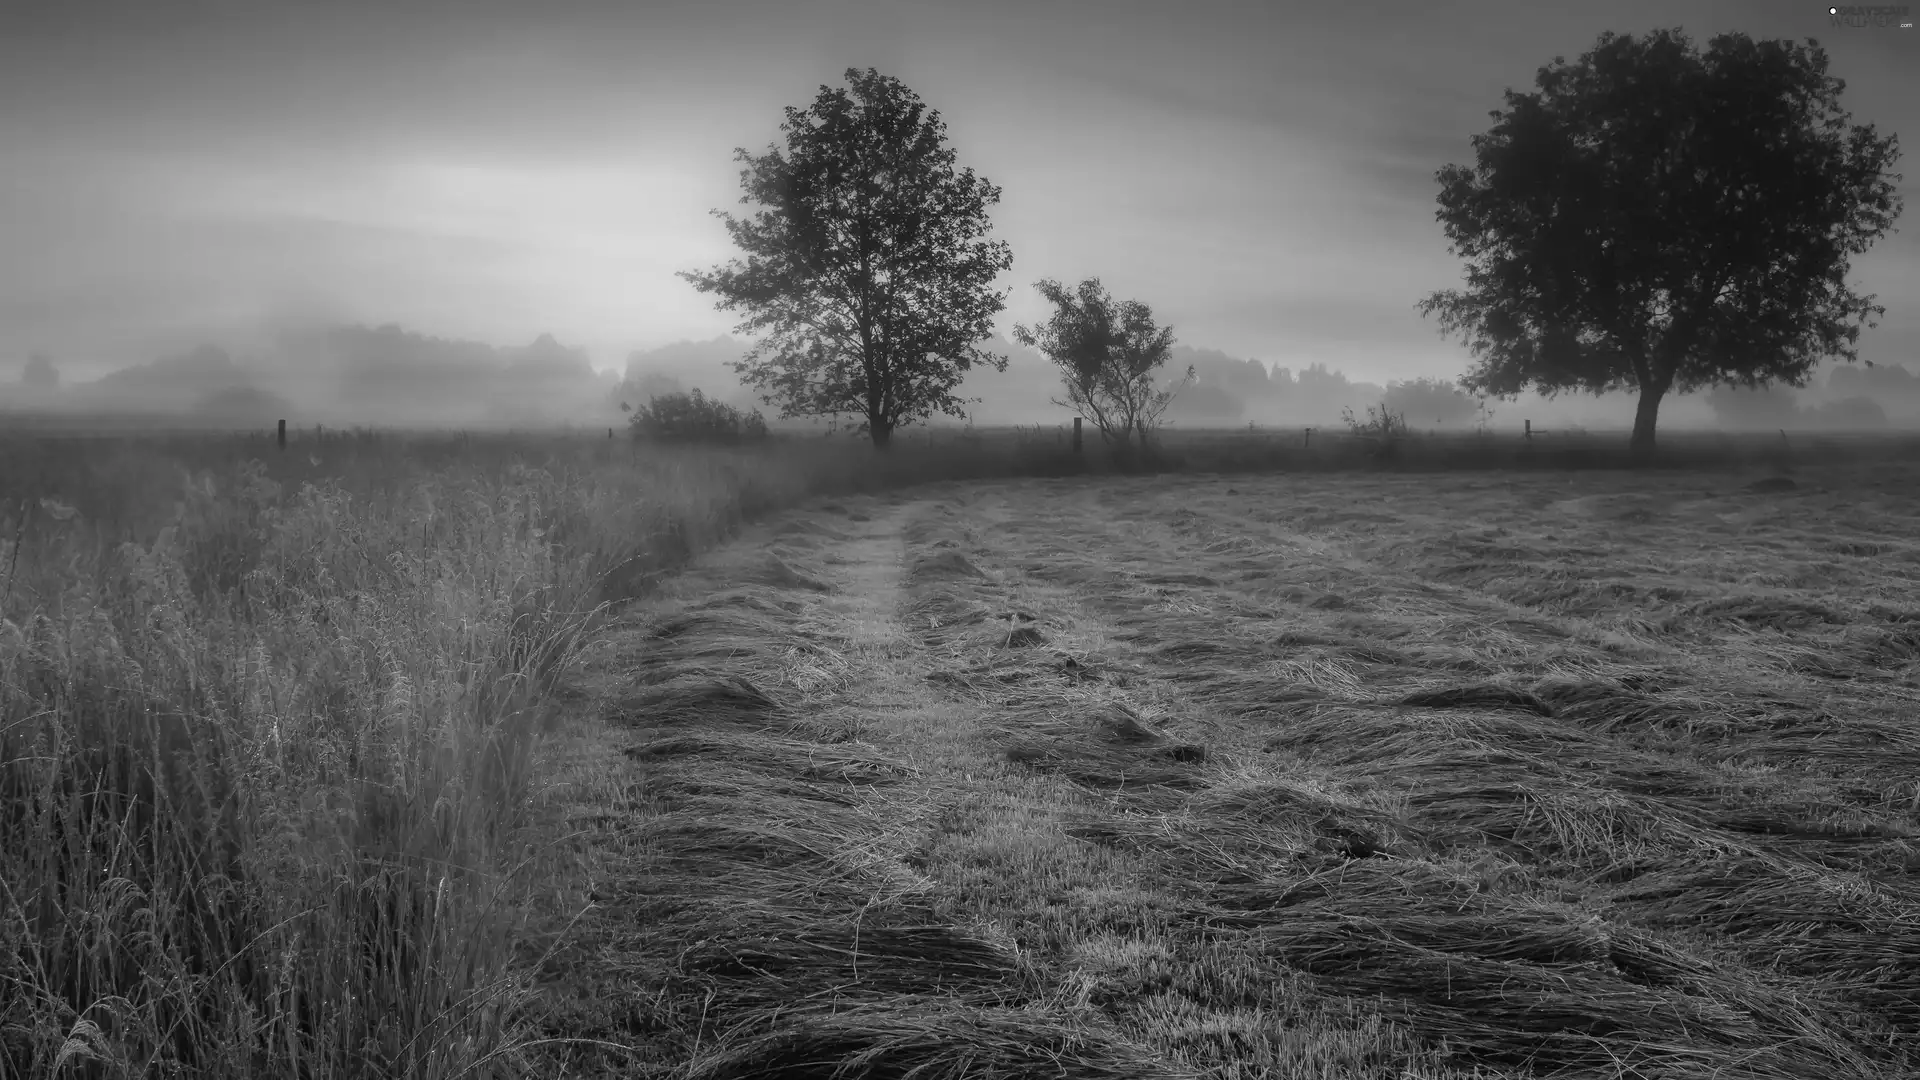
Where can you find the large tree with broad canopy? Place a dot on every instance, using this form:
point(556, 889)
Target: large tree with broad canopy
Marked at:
point(1660, 219)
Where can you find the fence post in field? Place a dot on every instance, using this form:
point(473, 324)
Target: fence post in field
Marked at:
point(282, 436)
point(1306, 438)
point(1076, 434)
point(1528, 432)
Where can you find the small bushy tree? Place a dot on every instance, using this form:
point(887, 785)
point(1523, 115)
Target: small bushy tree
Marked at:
point(1110, 355)
point(694, 417)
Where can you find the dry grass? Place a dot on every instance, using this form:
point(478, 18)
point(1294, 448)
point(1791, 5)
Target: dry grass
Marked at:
point(273, 730)
point(1495, 776)
point(421, 758)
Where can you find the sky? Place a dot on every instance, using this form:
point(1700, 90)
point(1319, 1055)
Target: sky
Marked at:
point(1260, 173)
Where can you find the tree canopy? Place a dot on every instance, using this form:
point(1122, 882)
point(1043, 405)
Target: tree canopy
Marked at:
point(1657, 218)
point(868, 272)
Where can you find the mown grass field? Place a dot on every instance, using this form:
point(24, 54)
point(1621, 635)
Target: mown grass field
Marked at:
point(456, 757)
point(1497, 775)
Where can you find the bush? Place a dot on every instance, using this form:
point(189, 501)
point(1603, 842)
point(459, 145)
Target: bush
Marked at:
point(1382, 426)
point(1381, 422)
point(1440, 399)
point(694, 417)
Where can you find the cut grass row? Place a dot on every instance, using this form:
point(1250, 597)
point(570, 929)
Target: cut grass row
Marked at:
point(277, 798)
point(1227, 784)
point(1675, 792)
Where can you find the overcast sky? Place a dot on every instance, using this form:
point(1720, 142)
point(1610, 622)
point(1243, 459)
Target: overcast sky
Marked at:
point(1261, 173)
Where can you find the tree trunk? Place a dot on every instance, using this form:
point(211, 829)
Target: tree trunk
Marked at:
point(1645, 415)
point(881, 432)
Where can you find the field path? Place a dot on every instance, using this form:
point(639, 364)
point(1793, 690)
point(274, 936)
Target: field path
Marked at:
point(750, 821)
point(1150, 778)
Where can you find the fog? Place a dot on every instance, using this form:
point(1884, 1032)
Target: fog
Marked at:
point(388, 376)
point(472, 215)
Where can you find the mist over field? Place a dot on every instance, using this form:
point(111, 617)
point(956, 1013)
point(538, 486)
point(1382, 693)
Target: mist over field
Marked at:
point(388, 376)
point(473, 216)
point(1300, 717)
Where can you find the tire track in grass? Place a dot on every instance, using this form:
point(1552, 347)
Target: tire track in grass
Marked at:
point(1070, 825)
point(1052, 750)
point(749, 917)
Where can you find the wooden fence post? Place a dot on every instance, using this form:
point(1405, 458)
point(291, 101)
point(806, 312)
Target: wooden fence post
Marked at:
point(1306, 438)
point(1529, 430)
point(1076, 434)
point(283, 435)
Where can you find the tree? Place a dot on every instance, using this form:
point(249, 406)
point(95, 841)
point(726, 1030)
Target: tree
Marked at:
point(1110, 356)
point(40, 373)
point(868, 267)
point(1657, 218)
point(1421, 399)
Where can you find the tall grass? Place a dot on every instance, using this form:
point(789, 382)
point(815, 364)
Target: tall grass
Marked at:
point(266, 723)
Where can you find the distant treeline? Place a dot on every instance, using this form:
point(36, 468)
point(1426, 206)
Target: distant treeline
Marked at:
point(346, 374)
point(390, 375)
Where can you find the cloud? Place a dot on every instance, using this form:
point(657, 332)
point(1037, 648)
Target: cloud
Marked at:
point(1261, 173)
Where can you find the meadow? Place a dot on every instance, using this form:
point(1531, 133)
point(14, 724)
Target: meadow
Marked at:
point(270, 727)
point(450, 756)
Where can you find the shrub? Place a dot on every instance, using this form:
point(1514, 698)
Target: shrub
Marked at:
point(694, 417)
point(1440, 399)
point(1381, 423)
point(1383, 426)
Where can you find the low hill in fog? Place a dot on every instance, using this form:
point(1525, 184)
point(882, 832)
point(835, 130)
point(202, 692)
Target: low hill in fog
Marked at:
point(389, 376)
